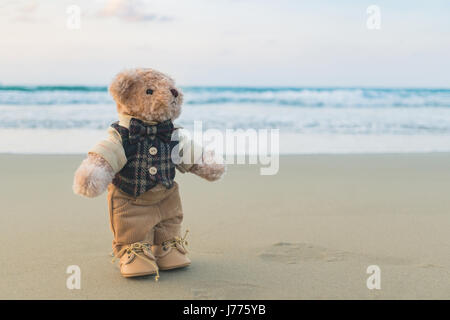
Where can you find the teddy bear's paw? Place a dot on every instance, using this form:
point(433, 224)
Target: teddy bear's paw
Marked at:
point(210, 169)
point(92, 177)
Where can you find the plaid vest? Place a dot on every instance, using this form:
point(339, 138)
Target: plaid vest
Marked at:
point(148, 150)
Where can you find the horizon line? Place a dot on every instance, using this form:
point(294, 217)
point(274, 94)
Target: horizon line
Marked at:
point(101, 87)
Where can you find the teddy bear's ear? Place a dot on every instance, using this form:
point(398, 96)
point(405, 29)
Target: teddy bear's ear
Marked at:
point(122, 86)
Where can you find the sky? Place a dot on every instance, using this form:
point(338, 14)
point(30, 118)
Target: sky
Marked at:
point(227, 42)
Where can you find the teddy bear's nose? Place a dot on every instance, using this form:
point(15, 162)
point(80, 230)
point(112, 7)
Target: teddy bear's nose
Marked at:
point(174, 92)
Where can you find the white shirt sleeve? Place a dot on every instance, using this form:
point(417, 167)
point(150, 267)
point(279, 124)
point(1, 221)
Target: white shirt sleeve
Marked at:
point(111, 150)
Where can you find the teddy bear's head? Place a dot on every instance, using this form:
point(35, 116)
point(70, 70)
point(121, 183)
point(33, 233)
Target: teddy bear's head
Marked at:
point(146, 94)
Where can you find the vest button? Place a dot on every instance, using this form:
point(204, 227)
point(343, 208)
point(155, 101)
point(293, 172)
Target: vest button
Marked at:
point(152, 171)
point(153, 151)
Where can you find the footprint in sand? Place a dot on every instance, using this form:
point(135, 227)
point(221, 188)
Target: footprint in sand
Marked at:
point(224, 289)
point(201, 294)
point(292, 253)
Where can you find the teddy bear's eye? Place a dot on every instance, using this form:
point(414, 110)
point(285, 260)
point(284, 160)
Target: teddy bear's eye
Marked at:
point(149, 91)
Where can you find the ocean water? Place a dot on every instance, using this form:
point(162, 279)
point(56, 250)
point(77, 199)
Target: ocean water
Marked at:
point(62, 119)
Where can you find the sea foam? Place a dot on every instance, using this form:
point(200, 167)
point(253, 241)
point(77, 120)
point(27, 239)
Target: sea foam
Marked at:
point(56, 119)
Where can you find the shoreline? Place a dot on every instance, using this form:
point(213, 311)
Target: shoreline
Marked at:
point(79, 141)
point(80, 154)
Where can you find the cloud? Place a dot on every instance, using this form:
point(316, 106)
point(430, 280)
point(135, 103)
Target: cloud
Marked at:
point(129, 11)
point(29, 7)
point(21, 11)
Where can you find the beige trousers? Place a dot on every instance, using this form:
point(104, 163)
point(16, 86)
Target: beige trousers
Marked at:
point(154, 216)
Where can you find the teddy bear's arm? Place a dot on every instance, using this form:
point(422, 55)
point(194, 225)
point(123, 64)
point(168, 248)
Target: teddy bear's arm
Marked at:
point(93, 176)
point(96, 172)
point(196, 160)
point(208, 168)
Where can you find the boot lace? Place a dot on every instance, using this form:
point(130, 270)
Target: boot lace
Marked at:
point(137, 249)
point(172, 243)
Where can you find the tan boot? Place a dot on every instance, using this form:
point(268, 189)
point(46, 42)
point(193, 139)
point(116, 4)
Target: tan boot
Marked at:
point(171, 254)
point(137, 260)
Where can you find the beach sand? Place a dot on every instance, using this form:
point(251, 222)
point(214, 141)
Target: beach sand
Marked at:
point(309, 232)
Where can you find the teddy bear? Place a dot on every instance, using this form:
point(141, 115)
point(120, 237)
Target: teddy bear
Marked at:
point(136, 163)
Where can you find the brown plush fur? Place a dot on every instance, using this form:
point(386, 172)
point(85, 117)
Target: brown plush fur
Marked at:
point(129, 90)
point(209, 169)
point(93, 176)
